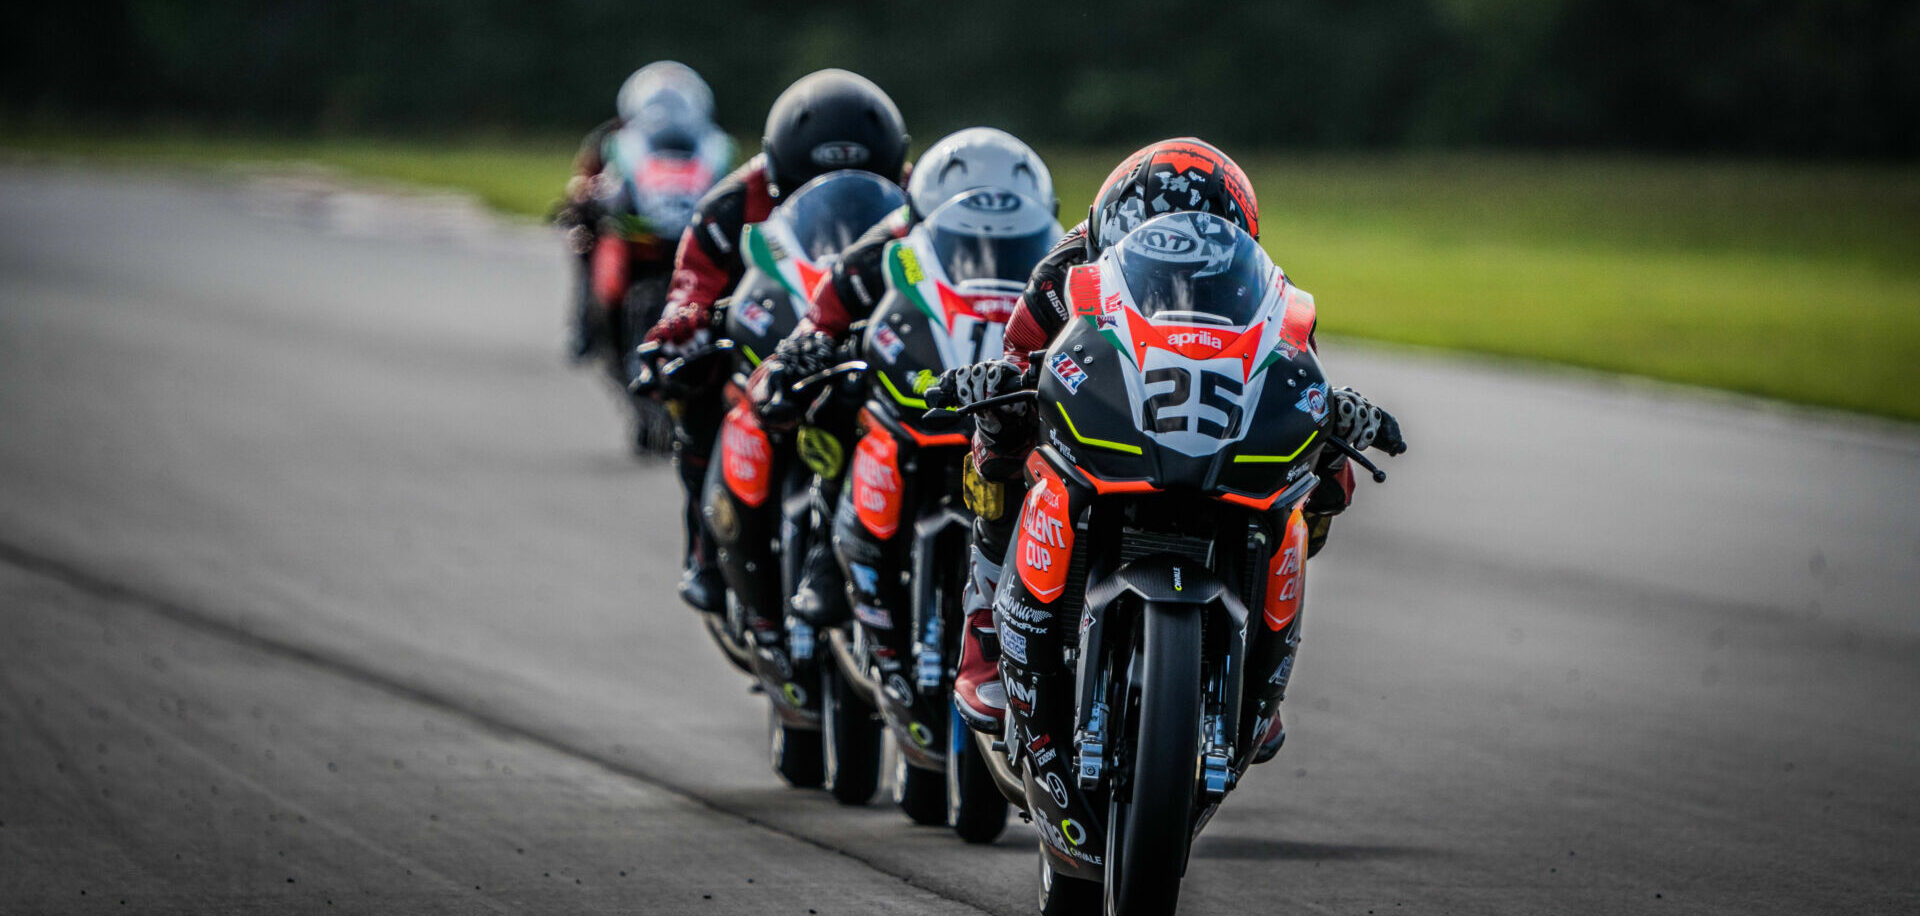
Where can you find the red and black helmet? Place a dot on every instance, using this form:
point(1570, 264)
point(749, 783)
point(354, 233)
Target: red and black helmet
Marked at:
point(1171, 176)
point(830, 120)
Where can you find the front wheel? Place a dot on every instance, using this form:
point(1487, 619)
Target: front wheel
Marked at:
point(1150, 820)
point(851, 735)
point(922, 794)
point(1064, 896)
point(975, 808)
point(795, 752)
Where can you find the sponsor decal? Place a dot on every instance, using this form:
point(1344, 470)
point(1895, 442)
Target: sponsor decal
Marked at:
point(1313, 401)
point(876, 483)
point(1046, 540)
point(878, 618)
point(1293, 473)
point(839, 155)
point(1013, 607)
point(899, 689)
point(795, 694)
point(1020, 694)
point(1190, 338)
point(1013, 645)
point(887, 343)
point(1284, 575)
point(1282, 674)
point(1045, 757)
point(1058, 841)
point(1176, 578)
point(719, 239)
point(1075, 833)
point(1086, 621)
point(1058, 789)
point(756, 316)
point(1067, 371)
point(991, 201)
point(745, 456)
point(909, 265)
point(1039, 741)
point(865, 578)
point(921, 735)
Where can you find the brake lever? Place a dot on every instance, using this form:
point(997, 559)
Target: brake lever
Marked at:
point(846, 368)
point(1379, 476)
point(950, 415)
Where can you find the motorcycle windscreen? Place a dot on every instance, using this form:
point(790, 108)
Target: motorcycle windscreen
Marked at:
point(828, 213)
point(1194, 268)
point(987, 234)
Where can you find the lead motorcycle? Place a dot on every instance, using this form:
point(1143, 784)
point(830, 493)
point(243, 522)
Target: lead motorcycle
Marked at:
point(1181, 415)
point(952, 283)
point(765, 504)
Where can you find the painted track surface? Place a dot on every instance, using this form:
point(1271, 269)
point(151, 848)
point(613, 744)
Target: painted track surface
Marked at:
point(326, 585)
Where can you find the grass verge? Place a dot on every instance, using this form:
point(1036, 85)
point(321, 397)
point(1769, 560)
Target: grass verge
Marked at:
point(1795, 282)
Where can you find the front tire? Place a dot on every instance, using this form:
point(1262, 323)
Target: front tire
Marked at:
point(975, 808)
point(796, 753)
point(1149, 825)
point(1064, 896)
point(922, 794)
point(851, 737)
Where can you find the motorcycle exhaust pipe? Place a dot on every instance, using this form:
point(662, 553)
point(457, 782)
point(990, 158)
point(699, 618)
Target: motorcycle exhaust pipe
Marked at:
point(1004, 777)
point(864, 689)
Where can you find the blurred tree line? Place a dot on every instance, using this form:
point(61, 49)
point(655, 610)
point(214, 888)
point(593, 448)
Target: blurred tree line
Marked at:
point(1771, 77)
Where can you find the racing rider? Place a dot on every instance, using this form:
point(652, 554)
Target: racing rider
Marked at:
point(827, 120)
point(1169, 176)
point(968, 160)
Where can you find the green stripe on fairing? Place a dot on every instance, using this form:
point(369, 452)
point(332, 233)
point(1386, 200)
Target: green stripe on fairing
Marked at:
point(897, 276)
point(1277, 459)
point(1096, 443)
point(762, 258)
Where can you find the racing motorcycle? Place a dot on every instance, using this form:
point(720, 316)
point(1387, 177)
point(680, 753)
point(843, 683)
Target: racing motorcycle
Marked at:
point(952, 283)
point(1181, 413)
point(646, 193)
point(768, 494)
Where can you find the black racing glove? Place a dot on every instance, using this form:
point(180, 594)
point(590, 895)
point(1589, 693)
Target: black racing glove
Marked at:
point(796, 358)
point(1362, 424)
point(991, 379)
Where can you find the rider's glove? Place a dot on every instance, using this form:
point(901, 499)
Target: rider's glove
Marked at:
point(990, 379)
point(796, 358)
point(681, 329)
point(1363, 425)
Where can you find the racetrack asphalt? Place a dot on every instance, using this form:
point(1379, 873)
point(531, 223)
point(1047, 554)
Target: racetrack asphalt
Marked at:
point(325, 585)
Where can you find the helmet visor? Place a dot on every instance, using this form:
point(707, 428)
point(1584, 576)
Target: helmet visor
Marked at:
point(1194, 267)
point(830, 212)
point(987, 234)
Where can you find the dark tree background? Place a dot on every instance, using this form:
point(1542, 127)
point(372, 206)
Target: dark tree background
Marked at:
point(1768, 77)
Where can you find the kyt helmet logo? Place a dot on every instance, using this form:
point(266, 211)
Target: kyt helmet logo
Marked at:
point(991, 201)
point(1162, 241)
point(839, 155)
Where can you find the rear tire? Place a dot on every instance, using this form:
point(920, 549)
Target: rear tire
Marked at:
point(1064, 896)
point(796, 753)
point(922, 794)
point(1149, 832)
point(851, 738)
point(975, 808)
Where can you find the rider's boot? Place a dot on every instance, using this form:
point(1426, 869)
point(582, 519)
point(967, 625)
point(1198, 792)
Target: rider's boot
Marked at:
point(700, 583)
point(820, 598)
point(978, 693)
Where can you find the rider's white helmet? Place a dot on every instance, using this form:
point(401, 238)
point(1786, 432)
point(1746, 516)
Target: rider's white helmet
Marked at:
point(665, 94)
point(978, 157)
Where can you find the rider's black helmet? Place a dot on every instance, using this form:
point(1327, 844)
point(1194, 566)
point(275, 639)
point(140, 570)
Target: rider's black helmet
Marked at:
point(828, 120)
